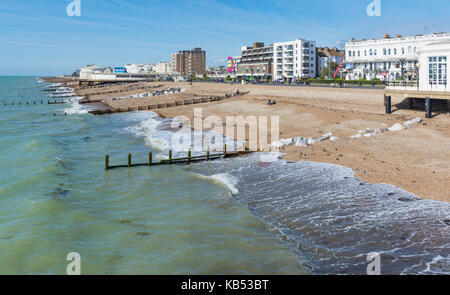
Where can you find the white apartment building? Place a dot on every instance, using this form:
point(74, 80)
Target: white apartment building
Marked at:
point(163, 68)
point(138, 68)
point(387, 59)
point(294, 60)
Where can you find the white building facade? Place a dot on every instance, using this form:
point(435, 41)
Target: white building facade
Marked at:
point(294, 60)
point(387, 59)
point(163, 68)
point(138, 68)
point(434, 69)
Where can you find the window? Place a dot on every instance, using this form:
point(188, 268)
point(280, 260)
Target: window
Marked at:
point(389, 51)
point(359, 53)
point(395, 51)
point(365, 52)
point(403, 50)
point(370, 52)
point(375, 52)
point(437, 70)
point(384, 51)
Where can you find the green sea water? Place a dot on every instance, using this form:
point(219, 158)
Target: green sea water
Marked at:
point(56, 198)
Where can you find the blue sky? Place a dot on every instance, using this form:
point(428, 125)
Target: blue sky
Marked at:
point(38, 38)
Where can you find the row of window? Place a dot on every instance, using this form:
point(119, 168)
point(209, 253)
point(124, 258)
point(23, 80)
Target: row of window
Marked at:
point(388, 51)
point(437, 70)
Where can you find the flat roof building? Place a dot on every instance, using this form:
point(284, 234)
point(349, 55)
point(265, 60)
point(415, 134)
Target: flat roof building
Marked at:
point(189, 62)
point(256, 62)
point(294, 60)
point(389, 58)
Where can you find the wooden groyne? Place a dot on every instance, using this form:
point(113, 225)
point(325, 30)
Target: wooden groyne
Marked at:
point(172, 161)
point(167, 104)
point(38, 102)
point(121, 90)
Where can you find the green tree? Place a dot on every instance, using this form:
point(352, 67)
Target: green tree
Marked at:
point(329, 69)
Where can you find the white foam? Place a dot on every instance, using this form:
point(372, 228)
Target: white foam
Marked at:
point(75, 108)
point(147, 129)
point(270, 157)
point(226, 180)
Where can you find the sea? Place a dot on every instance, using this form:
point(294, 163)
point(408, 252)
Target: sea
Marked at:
point(238, 216)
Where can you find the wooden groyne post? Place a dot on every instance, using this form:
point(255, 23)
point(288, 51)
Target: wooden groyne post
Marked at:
point(107, 162)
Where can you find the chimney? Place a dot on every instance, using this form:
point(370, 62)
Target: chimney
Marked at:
point(387, 36)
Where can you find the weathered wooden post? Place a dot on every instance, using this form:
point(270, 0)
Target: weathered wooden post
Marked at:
point(225, 150)
point(150, 158)
point(207, 154)
point(129, 160)
point(170, 156)
point(106, 162)
point(189, 156)
point(428, 109)
point(388, 105)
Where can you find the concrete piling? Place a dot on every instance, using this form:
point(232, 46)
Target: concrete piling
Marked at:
point(388, 105)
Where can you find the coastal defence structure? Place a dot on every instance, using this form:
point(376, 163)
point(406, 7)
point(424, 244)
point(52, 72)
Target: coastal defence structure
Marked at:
point(432, 78)
point(171, 161)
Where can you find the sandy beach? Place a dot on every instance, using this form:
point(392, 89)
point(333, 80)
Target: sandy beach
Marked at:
point(415, 159)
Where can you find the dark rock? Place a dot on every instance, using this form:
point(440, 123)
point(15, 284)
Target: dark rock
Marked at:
point(142, 234)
